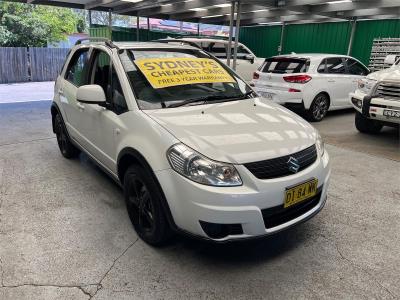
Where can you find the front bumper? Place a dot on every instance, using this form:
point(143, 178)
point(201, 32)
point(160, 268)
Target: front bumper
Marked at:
point(374, 107)
point(192, 203)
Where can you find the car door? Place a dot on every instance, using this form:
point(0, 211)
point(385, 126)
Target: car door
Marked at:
point(354, 72)
point(105, 121)
point(333, 71)
point(75, 76)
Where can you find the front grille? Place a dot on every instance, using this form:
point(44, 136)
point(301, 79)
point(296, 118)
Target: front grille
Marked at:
point(278, 215)
point(388, 90)
point(278, 167)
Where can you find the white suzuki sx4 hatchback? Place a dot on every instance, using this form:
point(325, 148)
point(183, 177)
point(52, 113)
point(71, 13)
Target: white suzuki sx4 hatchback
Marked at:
point(194, 148)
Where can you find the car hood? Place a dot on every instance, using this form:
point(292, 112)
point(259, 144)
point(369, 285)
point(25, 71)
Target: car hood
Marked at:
point(390, 74)
point(237, 131)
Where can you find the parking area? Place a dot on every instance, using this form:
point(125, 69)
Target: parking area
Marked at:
point(65, 232)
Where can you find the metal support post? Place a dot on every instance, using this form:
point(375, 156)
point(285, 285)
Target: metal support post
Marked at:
point(232, 15)
point(353, 30)
point(237, 30)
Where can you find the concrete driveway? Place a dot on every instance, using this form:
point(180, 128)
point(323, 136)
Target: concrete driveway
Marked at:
point(26, 92)
point(65, 233)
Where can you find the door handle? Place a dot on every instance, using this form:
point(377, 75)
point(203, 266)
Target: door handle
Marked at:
point(80, 106)
point(331, 80)
point(61, 92)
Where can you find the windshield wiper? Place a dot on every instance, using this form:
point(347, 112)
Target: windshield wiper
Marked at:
point(199, 99)
point(209, 98)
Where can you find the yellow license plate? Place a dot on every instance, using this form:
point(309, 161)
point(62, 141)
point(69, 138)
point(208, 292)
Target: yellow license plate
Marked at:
point(300, 192)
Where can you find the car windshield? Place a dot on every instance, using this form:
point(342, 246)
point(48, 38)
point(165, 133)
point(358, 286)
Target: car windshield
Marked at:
point(162, 78)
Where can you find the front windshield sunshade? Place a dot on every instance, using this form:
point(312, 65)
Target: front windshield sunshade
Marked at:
point(163, 78)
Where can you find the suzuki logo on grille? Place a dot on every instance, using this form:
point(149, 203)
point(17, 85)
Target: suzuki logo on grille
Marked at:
point(293, 164)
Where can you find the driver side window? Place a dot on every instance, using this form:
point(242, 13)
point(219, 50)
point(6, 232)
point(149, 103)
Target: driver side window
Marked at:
point(104, 74)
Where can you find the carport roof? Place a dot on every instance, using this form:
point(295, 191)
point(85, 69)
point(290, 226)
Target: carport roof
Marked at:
point(253, 11)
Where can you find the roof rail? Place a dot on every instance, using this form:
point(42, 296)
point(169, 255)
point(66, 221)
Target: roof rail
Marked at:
point(215, 37)
point(177, 40)
point(106, 41)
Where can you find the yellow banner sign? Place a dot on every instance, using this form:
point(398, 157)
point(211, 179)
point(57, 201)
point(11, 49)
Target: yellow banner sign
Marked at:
point(173, 71)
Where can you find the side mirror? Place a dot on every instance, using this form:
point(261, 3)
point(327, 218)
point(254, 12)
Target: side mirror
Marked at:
point(91, 94)
point(390, 60)
point(250, 58)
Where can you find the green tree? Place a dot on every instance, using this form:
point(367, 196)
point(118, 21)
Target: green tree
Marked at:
point(24, 25)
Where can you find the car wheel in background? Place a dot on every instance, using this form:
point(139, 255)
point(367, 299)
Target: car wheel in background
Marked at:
point(68, 150)
point(318, 109)
point(366, 125)
point(143, 200)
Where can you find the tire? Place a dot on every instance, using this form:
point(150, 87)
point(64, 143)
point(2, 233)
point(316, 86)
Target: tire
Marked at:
point(318, 109)
point(67, 149)
point(143, 201)
point(366, 125)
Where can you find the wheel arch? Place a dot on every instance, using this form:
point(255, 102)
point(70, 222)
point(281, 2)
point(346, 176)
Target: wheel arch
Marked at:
point(54, 109)
point(130, 156)
point(310, 97)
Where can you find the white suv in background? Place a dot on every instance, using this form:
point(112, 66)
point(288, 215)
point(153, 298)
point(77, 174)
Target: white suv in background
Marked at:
point(247, 62)
point(377, 99)
point(315, 83)
point(192, 145)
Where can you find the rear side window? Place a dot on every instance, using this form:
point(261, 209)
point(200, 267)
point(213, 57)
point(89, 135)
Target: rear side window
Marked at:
point(220, 50)
point(332, 65)
point(77, 68)
point(217, 49)
point(355, 68)
point(285, 65)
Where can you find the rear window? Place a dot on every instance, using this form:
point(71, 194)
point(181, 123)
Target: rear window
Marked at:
point(285, 65)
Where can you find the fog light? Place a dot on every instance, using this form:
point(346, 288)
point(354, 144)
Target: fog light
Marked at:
point(219, 231)
point(357, 102)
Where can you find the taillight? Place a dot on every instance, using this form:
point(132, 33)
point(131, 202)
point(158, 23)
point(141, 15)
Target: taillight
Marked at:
point(297, 78)
point(256, 75)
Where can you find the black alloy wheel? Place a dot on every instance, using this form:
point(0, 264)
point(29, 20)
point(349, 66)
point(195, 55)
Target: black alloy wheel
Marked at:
point(140, 205)
point(67, 149)
point(318, 108)
point(143, 198)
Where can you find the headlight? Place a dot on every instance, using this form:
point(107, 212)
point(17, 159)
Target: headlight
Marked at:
point(320, 144)
point(365, 85)
point(198, 168)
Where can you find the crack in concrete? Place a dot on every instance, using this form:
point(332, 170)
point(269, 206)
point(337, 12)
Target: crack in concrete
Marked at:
point(357, 266)
point(80, 287)
point(1, 273)
point(29, 141)
point(99, 285)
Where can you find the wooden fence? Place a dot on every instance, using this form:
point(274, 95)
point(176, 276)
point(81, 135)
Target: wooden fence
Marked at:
point(13, 65)
point(22, 64)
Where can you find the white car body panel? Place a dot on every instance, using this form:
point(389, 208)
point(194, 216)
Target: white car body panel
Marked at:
point(236, 132)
